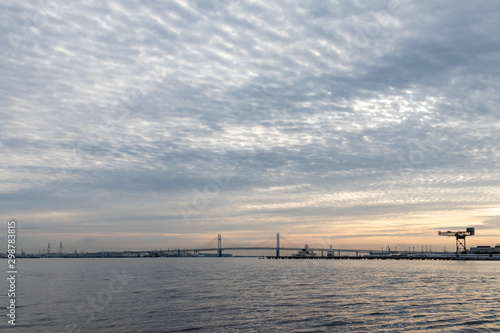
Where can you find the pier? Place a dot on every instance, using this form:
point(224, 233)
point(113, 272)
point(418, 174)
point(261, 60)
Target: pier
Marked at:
point(401, 257)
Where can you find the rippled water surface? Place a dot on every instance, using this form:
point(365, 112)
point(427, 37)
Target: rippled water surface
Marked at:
point(251, 295)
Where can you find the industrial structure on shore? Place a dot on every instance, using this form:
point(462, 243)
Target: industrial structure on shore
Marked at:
point(461, 253)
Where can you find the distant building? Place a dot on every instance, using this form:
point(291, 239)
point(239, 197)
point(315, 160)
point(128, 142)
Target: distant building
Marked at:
point(485, 249)
point(103, 255)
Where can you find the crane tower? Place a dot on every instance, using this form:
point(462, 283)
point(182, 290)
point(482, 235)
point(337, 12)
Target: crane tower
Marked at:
point(460, 237)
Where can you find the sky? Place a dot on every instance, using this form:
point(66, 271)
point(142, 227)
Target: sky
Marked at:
point(130, 125)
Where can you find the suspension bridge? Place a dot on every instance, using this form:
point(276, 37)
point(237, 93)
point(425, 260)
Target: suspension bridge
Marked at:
point(220, 249)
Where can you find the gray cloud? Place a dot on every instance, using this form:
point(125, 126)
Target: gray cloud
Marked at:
point(117, 114)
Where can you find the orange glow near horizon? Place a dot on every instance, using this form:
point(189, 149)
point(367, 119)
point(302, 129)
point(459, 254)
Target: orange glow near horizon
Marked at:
point(411, 232)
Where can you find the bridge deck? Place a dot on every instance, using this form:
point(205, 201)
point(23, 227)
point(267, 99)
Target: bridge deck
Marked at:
point(281, 249)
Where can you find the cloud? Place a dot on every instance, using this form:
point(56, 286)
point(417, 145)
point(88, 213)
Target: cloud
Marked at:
point(329, 111)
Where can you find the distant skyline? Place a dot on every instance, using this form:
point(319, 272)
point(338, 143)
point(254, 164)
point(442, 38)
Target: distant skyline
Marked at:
point(130, 125)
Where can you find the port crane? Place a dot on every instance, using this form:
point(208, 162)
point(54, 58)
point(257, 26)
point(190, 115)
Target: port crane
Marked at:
point(460, 237)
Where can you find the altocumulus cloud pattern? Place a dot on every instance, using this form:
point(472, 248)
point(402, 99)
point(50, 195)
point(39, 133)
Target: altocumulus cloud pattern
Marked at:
point(145, 123)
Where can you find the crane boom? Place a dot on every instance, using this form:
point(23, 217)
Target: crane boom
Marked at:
point(460, 237)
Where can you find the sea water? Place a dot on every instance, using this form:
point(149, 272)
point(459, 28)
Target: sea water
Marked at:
point(252, 295)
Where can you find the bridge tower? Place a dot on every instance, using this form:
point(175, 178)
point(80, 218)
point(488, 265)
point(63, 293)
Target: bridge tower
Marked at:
point(278, 244)
point(219, 245)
